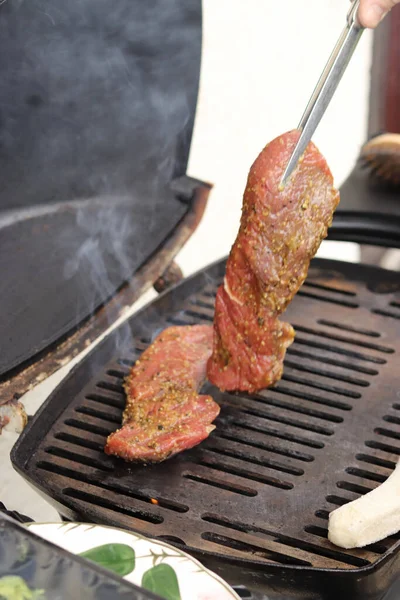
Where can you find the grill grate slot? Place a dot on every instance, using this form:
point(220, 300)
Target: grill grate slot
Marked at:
point(338, 338)
point(391, 419)
point(337, 500)
point(170, 539)
point(328, 288)
point(321, 298)
point(179, 321)
point(77, 441)
point(231, 469)
point(200, 314)
point(349, 328)
point(386, 313)
point(322, 400)
point(202, 303)
point(126, 362)
point(90, 427)
point(387, 433)
point(235, 488)
point(98, 501)
point(322, 514)
point(79, 458)
point(373, 460)
point(321, 386)
point(211, 291)
point(293, 422)
point(266, 399)
point(256, 551)
point(328, 374)
point(111, 387)
point(107, 400)
point(78, 475)
point(384, 447)
point(337, 350)
point(331, 361)
point(361, 490)
point(103, 416)
point(265, 446)
point(322, 532)
point(117, 373)
point(282, 435)
point(364, 474)
point(257, 461)
point(283, 540)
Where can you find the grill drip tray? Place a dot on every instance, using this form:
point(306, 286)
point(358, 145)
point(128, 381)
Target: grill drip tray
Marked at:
point(258, 492)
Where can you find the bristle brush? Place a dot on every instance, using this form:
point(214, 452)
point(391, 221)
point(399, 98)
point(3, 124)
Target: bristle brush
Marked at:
point(381, 155)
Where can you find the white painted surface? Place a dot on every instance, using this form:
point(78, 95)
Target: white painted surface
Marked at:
point(261, 60)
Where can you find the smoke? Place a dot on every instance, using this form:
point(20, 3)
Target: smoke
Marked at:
point(106, 231)
point(105, 259)
point(103, 242)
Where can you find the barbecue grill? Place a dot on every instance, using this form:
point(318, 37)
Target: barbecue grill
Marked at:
point(252, 501)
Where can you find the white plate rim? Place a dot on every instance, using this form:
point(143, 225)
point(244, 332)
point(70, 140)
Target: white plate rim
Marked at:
point(89, 526)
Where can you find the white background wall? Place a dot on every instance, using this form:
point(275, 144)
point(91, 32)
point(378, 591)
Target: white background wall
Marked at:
point(261, 60)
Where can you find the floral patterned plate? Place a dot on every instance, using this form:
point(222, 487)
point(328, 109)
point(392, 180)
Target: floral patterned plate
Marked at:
point(153, 565)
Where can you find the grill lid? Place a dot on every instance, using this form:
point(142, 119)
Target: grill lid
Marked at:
point(96, 116)
point(95, 101)
point(258, 492)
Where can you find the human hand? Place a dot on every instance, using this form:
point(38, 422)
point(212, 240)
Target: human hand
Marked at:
point(371, 12)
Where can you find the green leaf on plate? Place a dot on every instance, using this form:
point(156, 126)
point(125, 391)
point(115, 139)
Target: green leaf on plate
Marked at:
point(118, 558)
point(162, 580)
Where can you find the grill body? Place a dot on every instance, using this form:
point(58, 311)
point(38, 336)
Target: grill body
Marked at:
point(252, 501)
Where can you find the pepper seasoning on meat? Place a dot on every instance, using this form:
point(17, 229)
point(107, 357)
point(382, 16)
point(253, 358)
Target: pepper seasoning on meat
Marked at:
point(164, 412)
point(280, 232)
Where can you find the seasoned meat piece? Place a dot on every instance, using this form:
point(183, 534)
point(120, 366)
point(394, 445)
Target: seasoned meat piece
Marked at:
point(280, 231)
point(164, 413)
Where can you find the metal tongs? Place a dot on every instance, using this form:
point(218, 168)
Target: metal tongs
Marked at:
point(326, 86)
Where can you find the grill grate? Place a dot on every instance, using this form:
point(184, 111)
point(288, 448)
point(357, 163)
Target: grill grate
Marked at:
point(262, 486)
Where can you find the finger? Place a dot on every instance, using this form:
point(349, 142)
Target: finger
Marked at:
point(371, 12)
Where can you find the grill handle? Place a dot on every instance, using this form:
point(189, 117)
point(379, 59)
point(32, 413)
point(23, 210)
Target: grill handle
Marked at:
point(366, 228)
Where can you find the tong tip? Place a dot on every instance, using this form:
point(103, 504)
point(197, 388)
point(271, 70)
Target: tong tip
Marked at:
point(291, 165)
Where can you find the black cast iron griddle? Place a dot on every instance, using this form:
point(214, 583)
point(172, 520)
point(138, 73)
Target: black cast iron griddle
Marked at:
point(252, 501)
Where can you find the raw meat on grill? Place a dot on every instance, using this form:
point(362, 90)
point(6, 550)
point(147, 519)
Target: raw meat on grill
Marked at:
point(164, 413)
point(280, 231)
